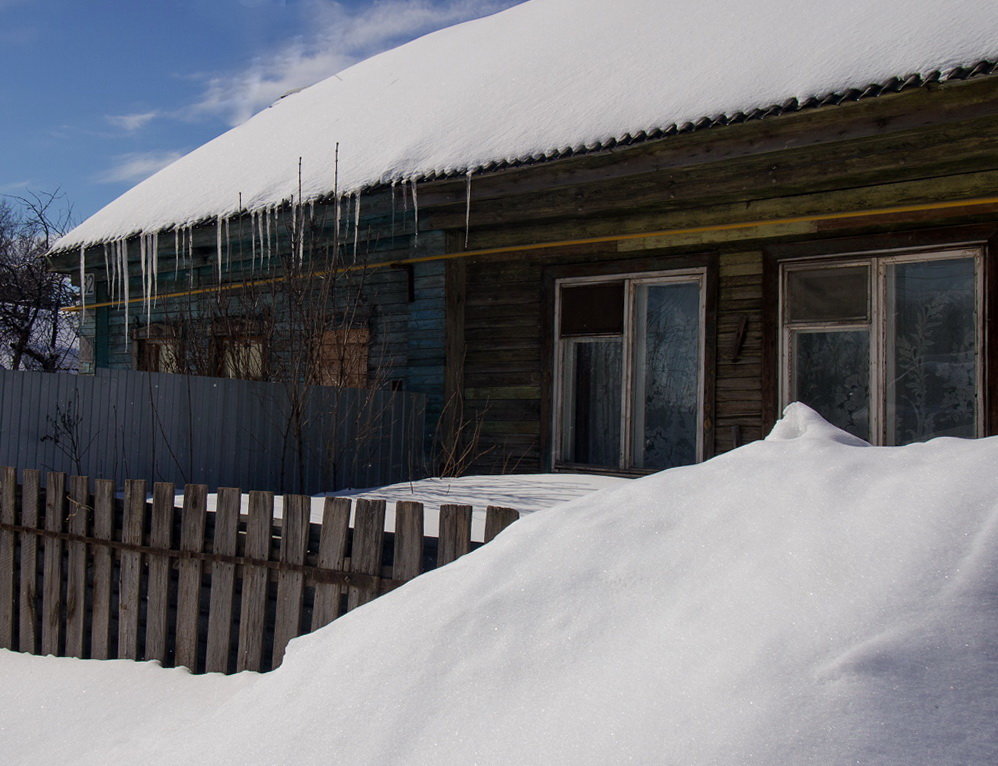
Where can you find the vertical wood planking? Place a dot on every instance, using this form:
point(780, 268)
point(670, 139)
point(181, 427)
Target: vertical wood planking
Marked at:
point(130, 574)
point(189, 581)
point(158, 600)
point(8, 495)
point(28, 621)
point(100, 628)
point(332, 555)
point(223, 578)
point(253, 608)
point(55, 503)
point(294, 541)
point(76, 580)
point(455, 533)
point(408, 540)
point(497, 519)
point(365, 553)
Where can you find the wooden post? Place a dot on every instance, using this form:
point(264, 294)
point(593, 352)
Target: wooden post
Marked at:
point(455, 533)
point(253, 609)
point(189, 580)
point(223, 578)
point(130, 575)
point(497, 519)
point(365, 554)
point(332, 555)
point(100, 629)
point(294, 541)
point(8, 497)
point(408, 540)
point(55, 511)
point(158, 603)
point(28, 622)
point(76, 581)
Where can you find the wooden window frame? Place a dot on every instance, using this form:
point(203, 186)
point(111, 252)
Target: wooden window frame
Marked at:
point(702, 268)
point(916, 245)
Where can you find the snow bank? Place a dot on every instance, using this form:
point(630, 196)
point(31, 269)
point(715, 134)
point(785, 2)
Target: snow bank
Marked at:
point(544, 76)
point(804, 599)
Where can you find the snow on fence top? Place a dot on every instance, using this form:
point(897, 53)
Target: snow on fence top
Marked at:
point(542, 78)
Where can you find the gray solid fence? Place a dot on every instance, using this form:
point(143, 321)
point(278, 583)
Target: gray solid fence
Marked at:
point(183, 429)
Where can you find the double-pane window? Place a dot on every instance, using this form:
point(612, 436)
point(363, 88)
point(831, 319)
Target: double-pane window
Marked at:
point(887, 348)
point(630, 372)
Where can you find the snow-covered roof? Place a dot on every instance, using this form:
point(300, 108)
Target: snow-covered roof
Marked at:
point(544, 78)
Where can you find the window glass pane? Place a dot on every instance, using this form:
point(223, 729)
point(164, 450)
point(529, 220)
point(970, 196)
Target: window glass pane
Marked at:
point(591, 402)
point(592, 309)
point(828, 294)
point(666, 379)
point(832, 375)
point(932, 364)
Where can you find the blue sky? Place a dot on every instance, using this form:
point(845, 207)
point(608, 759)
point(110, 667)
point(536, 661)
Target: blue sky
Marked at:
point(97, 94)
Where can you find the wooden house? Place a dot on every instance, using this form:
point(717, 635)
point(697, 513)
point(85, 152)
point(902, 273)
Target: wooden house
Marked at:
point(632, 303)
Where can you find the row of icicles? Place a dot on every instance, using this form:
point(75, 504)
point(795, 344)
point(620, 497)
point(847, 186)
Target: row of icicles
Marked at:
point(264, 243)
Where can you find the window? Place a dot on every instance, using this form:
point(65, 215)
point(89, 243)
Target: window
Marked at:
point(342, 358)
point(629, 371)
point(157, 348)
point(887, 348)
point(240, 357)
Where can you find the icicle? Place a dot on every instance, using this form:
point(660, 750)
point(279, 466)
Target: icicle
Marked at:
point(467, 211)
point(228, 246)
point(218, 246)
point(83, 283)
point(176, 253)
point(394, 183)
point(155, 265)
point(253, 240)
point(356, 224)
point(107, 269)
point(142, 266)
point(123, 259)
point(415, 214)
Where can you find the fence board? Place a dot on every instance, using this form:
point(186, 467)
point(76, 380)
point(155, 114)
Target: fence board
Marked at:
point(158, 600)
point(455, 533)
point(497, 518)
point(130, 577)
point(76, 578)
point(189, 580)
point(8, 499)
point(100, 628)
point(223, 577)
point(408, 540)
point(365, 554)
point(55, 498)
point(332, 555)
point(253, 609)
point(28, 622)
point(294, 540)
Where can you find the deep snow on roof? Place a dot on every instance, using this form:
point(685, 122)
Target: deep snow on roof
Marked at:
point(807, 599)
point(545, 77)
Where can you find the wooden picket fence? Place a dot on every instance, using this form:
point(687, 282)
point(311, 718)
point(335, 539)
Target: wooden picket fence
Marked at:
point(86, 574)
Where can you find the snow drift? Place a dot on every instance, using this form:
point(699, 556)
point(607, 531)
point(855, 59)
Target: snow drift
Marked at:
point(543, 77)
point(804, 599)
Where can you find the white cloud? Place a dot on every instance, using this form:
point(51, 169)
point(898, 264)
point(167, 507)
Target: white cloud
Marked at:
point(132, 122)
point(338, 36)
point(137, 166)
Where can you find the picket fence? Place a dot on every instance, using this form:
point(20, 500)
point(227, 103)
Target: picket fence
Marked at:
point(84, 573)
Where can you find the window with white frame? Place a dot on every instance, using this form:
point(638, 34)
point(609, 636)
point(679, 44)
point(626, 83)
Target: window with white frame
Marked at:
point(886, 347)
point(629, 371)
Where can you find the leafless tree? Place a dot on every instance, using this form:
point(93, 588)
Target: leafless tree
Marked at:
point(34, 333)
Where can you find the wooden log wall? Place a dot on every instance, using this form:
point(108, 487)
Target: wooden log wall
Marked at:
point(913, 148)
point(86, 574)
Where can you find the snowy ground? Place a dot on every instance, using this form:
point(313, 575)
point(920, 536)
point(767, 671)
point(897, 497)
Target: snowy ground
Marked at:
point(527, 493)
point(807, 599)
